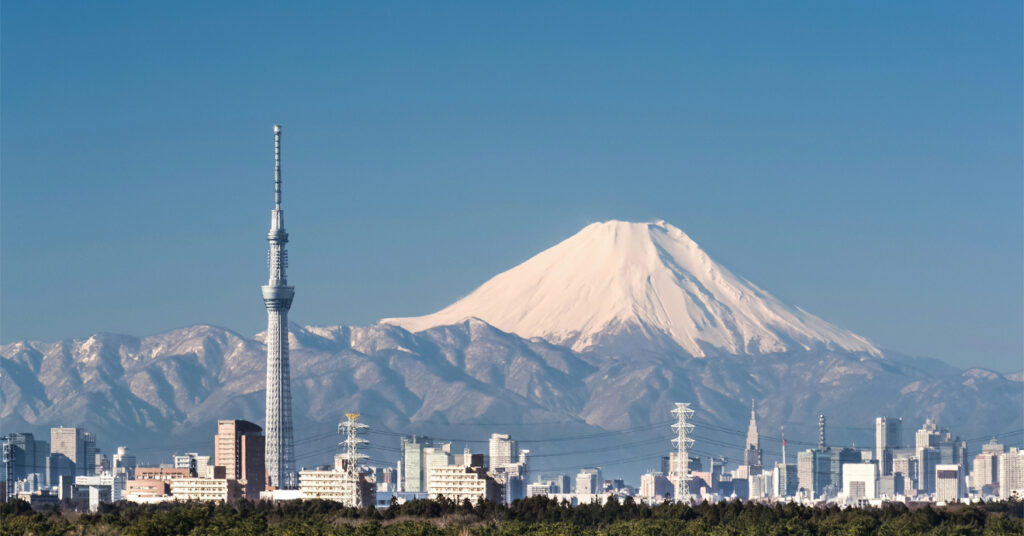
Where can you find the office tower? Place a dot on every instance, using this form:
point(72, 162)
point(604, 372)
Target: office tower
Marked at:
point(949, 483)
point(985, 470)
point(860, 481)
point(993, 447)
point(906, 467)
point(814, 470)
point(1011, 473)
point(928, 459)
point(752, 454)
point(927, 436)
point(277, 296)
point(69, 446)
point(25, 455)
point(89, 442)
point(502, 451)
point(440, 456)
point(841, 456)
point(124, 462)
point(784, 477)
point(412, 464)
point(239, 448)
point(589, 481)
point(888, 436)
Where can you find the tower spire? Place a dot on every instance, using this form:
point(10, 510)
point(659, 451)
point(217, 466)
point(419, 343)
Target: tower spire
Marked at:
point(277, 167)
point(752, 454)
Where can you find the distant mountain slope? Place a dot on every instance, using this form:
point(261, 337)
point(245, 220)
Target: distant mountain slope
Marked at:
point(603, 332)
point(644, 284)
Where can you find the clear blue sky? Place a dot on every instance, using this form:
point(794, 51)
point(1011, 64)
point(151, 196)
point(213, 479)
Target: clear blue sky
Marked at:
point(861, 160)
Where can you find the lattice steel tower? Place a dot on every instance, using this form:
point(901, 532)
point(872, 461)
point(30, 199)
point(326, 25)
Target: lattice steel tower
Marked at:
point(683, 442)
point(277, 296)
point(351, 459)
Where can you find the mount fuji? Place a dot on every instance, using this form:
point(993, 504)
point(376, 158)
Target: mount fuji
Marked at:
point(596, 337)
point(646, 282)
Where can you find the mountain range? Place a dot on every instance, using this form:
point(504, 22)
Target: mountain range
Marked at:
point(580, 352)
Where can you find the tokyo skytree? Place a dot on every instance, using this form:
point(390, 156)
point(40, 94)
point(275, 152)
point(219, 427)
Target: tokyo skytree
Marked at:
point(277, 295)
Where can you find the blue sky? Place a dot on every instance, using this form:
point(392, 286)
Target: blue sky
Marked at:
point(861, 160)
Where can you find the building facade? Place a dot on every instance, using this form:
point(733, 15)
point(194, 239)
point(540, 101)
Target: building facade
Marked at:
point(239, 448)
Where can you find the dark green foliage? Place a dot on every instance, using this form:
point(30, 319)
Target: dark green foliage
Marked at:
point(536, 516)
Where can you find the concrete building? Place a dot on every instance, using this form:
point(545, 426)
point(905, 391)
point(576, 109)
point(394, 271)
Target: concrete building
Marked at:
point(888, 436)
point(588, 481)
point(860, 481)
point(1011, 473)
point(239, 448)
point(906, 466)
point(161, 473)
point(785, 480)
point(459, 483)
point(985, 471)
point(928, 458)
point(949, 483)
point(814, 470)
point(440, 456)
point(655, 486)
point(23, 455)
point(123, 462)
point(205, 489)
point(351, 488)
point(277, 297)
point(77, 446)
point(413, 478)
point(502, 451)
point(148, 487)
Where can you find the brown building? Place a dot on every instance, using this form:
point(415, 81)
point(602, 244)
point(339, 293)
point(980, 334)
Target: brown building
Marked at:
point(238, 447)
point(161, 473)
point(148, 487)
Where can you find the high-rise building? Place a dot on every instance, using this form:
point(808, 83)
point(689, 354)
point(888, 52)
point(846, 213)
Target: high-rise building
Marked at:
point(927, 460)
point(784, 477)
point(985, 471)
point(25, 455)
point(814, 470)
point(1011, 473)
point(124, 462)
point(752, 454)
point(71, 443)
point(414, 480)
point(440, 456)
point(888, 436)
point(860, 481)
point(277, 297)
point(502, 451)
point(927, 436)
point(949, 483)
point(239, 448)
point(589, 481)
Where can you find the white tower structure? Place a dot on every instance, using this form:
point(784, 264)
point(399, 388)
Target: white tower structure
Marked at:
point(682, 442)
point(277, 296)
point(350, 458)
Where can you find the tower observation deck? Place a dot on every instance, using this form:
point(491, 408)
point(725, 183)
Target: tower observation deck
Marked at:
point(277, 296)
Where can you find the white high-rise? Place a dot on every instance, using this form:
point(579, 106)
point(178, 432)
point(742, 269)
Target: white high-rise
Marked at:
point(277, 296)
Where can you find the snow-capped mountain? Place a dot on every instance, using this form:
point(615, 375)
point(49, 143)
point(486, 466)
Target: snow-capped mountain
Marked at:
point(598, 335)
point(651, 281)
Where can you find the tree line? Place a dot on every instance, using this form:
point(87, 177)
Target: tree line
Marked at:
point(539, 516)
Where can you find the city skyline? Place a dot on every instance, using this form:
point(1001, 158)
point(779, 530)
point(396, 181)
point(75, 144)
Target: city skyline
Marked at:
point(870, 175)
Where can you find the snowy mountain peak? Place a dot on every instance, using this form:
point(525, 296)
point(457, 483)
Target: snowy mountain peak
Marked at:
point(619, 282)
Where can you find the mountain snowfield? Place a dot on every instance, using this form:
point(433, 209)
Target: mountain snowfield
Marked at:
point(617, 277)
point(602, 332)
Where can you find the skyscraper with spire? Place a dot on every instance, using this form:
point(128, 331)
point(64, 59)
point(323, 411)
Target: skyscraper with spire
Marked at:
point(277, 296)
point(752, 454)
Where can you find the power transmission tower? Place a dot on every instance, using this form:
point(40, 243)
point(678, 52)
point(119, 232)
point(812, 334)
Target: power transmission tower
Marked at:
point(350, 459)
point(683, 428)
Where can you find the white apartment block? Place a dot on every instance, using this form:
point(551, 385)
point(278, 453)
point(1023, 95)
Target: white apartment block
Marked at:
point(458, 482)
point(1011, 473)
point(949, 483)
point(205, 489)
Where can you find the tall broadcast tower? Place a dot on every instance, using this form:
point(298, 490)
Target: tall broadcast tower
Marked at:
point(277, 296)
